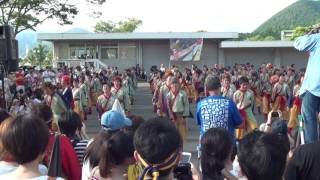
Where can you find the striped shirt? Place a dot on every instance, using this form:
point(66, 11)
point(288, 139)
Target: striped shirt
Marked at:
point(80, 148)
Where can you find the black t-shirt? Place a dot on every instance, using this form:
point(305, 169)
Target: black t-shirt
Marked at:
point(305, 163)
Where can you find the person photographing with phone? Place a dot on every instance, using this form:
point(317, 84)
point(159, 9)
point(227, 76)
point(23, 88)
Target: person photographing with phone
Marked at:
point(310, 89)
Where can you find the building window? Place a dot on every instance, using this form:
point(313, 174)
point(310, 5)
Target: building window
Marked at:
point(109, 52)
point(83, 51)
point(127, 52)
point(77, 52)
point(91, 52)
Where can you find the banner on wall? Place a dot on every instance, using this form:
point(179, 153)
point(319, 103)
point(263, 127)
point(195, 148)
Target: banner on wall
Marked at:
point(185, 49)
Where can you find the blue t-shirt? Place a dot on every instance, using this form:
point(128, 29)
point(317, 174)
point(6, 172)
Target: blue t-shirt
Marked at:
point(218, 112)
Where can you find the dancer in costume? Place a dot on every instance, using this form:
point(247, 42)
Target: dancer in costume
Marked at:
point(105, 101)
point(256, 89)
point(163, 92)
point(96, 88)
point(121, 94)
point(79, 99)
point(280, 94)
point(227, 89)
point(84, 97)
point(55, 101)
point(244, 99)
point(178, 107)
point(296, 107)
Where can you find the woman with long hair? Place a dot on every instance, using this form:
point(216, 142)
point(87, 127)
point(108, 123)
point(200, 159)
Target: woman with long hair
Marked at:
point(216, 151)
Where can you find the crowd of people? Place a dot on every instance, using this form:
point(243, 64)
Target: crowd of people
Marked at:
point(43, 133)
point(254, 91)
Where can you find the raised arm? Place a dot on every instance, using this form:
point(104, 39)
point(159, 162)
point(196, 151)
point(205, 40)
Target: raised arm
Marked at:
point(307, 42)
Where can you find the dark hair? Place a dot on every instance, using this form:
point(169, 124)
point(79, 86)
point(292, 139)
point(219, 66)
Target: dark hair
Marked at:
point(243, 79)
point(136, 122)
point(93, 153)
point(3, 115)
point(212, 83)
point(48, 85)
point(43, 112)
point(156, 139)
point(69, 123)
point(26, 138)
point(117, 149)
point(38, 94)
point(216, 148)
point(263, 155)
point(227, 77)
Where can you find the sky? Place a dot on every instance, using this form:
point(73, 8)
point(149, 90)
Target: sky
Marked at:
point(178, 15)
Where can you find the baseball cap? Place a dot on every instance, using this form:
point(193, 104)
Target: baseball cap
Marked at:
point(65, 78)
point(114, 120)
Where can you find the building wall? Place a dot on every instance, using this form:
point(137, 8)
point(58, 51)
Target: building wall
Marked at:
point(157, 52)
point(258, 56)
point(209, 55)
point(255, 56)
point(61, 50)
point(291, 56)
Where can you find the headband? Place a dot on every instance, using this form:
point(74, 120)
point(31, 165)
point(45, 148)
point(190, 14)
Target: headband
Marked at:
point(155, 168)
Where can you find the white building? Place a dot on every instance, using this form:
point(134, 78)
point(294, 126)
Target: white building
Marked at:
point(147, 49)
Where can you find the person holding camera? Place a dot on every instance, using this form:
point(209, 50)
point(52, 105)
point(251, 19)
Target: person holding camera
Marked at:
point(310, 89)
point(158, 147)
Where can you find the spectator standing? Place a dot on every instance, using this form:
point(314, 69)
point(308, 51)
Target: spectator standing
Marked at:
point(216, 150)
point(69, 161)
point(70, 125)
point(158, 147)
point(25, 140)
point(111, 122)
point(305, 163)
point(263, 155)
point(216, 111)
point(310, 89)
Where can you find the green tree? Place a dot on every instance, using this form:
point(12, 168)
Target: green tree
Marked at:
point(129, 25)
point(27, 14)
point(299, 31)
point(39, 56)
point(30, 58)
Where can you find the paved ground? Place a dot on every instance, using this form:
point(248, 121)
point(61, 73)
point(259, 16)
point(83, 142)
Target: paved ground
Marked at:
point(143, 107)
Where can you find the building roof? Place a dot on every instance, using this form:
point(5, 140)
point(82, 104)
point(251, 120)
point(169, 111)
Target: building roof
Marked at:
point(256, 44)
point(136, 36)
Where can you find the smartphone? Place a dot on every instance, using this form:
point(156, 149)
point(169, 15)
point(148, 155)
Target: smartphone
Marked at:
point(186, 157)
point(275, 115)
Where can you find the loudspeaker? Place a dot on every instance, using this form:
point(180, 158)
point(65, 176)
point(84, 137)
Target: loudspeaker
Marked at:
point(8, 49)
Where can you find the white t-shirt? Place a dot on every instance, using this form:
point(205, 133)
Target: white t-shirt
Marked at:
point(45, 178)
point(86, 169)
point(36, 178)
point(8, 167)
